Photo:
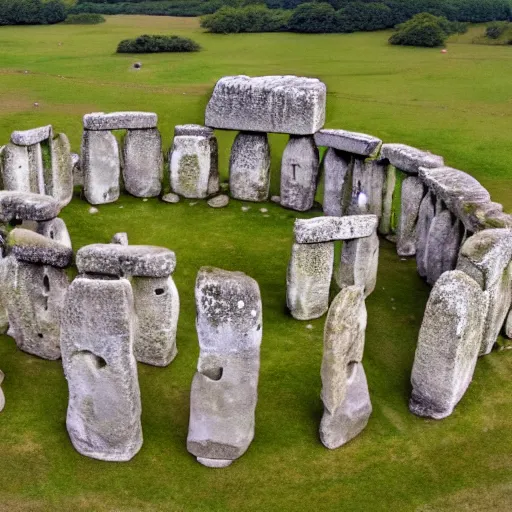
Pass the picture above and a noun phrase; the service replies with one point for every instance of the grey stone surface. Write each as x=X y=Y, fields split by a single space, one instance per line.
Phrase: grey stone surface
x=214 y=463
x=327 y=229
x=368 y=177
x=34 y=297
x=308 y=280
x=388 y=191
x=299 y=173
x=36 y=169
x=249 y=167
x=2 y=396
x=120 y=239
x=508 y=325
x=60 y=185
x=157 y=306
x=120 y=121
x=350 y=142
x=219 y=201
x=104 y=409
x=143 y=162
x=439 y=233
x=345 y=394
x=193 y=129
x=171 y=198
x=100 y=166
x=15 y=165
x=452 y=246
x=426 y=214
x=448 y=345
x=413 y=192
x=78 y=175
x=26 y=206
x=55 y=229
x=336 y=166
x=126 y=260
x=224 y=389
x=409 y=159
x=33 y=136
x=279 y=104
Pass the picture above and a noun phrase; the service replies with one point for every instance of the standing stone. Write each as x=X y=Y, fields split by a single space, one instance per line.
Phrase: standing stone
x=387 y=200
x=16 y=168
x=120 y=121
x=345 y=394
x=438 y=235
x=299 y=173
x=60 y=184
x=143 y=162
x=368 y=178
x=425 y=216
x=452 y=246
x=337 y=166
x=308 y=280
x=224 y=389
x=249 y=167
x=100 y=166
x=448 y=345
x=36 y=169
x=508 y=325
x=103 y=418
x=157 y=306
x=413 y=192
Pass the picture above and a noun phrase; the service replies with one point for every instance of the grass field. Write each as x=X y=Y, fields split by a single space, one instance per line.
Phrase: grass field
x=458 y=105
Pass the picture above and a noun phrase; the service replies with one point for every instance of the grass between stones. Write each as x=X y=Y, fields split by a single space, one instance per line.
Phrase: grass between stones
x=457 y=105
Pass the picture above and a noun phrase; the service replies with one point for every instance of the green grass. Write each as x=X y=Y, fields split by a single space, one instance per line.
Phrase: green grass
x=456 y=104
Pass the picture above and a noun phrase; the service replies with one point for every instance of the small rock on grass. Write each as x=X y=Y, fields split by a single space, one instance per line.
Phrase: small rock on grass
x=171 y=198
x=245 y=208
x=93 y=210
x=218 y=201
x=276 y=199
x=263 y=210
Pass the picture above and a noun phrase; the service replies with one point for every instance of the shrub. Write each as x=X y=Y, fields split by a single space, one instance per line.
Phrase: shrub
x=85 y=18
x=31 y=12
x=363 y=16
x=313 y=18
x=157 y=44
x=424 y=29
x=497 y=29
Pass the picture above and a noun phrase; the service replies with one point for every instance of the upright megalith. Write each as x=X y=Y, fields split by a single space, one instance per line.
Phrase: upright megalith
x=448 y=345
x=104 y=408
x=388 y=192
x=439 y=234
x=2 y=396
x=345 y=395
x=224 y=389
x=299 y=173
x=32 y=136
x=368 y=177
x=426 y=214
x=60 y=182
x=336 y=166
x=412 y=195
x=15 y=165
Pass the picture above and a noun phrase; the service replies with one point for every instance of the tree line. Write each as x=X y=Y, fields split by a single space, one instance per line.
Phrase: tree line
x=32 y=12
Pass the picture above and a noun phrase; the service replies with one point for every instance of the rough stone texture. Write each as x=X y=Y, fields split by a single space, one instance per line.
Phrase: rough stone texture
x=16 y=168
x=336 y=166
x=327 y=229
x=359 y=263
x=120 y=239
x=103 y=417
x=368 y=178
x=345 y=394
x=508 y=325
x=32 y=247
x=426 y=214
x=308 y=280
x=350 y=142
x=413 y=192
x=100 y=166
x=171 y=198
x=78 y=175
x=143 y=162
x=448 y=345
x=33 y=136
x=388 y=190
x=249 y=167
x=224 y=389
x=34 y=297
x=126 y=260
x=409 y=159
x=26 y=206
x=120 y=121
x=60 y=186
x=36 y=169
x=299 y=173
x=219 y=201
x=452 y=246
x=278 y=104
x=157 y=305
x=487 y=258
x=438 y=236
x=55 y=229
x=193 y=129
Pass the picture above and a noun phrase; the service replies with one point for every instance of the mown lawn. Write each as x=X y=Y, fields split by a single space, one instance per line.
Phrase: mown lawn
x=458 y=105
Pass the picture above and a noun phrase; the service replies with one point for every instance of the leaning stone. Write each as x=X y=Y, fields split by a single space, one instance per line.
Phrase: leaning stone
x=413 y=192
x=224 y=389
x=120 y=121
x=100 y=166
x=126 y=260
x=171 y=198
x=448 y=345
x=336 y=166
x=345 y=394
x=308 y=280
x=16 y=168
x=27 y=206
x=299 y=173
x=103 y=417
x=218 y=201
x=274 y=104
x=409 y=159
x=350 y=142
x=120 y=239
x=34 y=136
x=143 y=162
x=55 y=229
x=426 y=214
x=60 y=185
x=327 y=229
x=368 y=178
x=249 y=167
x=388 y=190
x=438 y=236
x=193 y=129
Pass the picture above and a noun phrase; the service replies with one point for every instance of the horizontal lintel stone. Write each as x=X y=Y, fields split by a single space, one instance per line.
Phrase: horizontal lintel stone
x=193 y=129
x=409 y=159
x=27 y=206
x=327 y=229
x=350 y=142
x=120 y=121
x=33 y=136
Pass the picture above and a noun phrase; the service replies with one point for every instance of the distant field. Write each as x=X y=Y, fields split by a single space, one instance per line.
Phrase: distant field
x=458 y=105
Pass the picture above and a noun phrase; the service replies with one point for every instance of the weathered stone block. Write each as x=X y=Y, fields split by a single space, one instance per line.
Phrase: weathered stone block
x=33 y=136
x=120 y=121
x=120 y=238
x=388 y=190
x=413 y=192
x=350 y=142
x=368 y=177
x=16 y=168
x=60 y=184
x=426 y=214
x=441 y=229
x=337 y=166
x=26 y=206
x=409 y=159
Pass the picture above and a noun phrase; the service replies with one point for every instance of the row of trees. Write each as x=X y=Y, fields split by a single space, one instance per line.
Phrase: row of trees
x=31 y=12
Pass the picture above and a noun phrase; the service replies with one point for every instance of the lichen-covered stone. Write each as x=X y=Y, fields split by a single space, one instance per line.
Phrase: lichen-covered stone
x=33 y=136
x=368 y=178
x=426 y=214
x=224 y=389
x=55 y=229
x=299 y=173
x=16 y=168
x=269 y=104
x=409 y=159
x=219 y=201
x=26 y=206
x=120 y=121
x=448 y=345
x=336 y=166
x=120 y=238
x=345 y=394
x=100 y=166
x=413 y=192
x=388 y=190
x=327 y=229
x=104 y=409
x=126 y=260
x=350 y=142
x=143 y=162
x=438 y=236
x=308 y=280
x=60 y=186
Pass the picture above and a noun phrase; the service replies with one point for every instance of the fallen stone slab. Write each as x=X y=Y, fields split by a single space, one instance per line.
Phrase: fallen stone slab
x=336 y=166
x=36 y=169
x=327 y=229
x=350 y=142
x=126 y=260
x=27 y=206
x=412 y=195
x=441 y=229
x=409 y=159
x=269 y=104
x=33 y=136
x=120 y=121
